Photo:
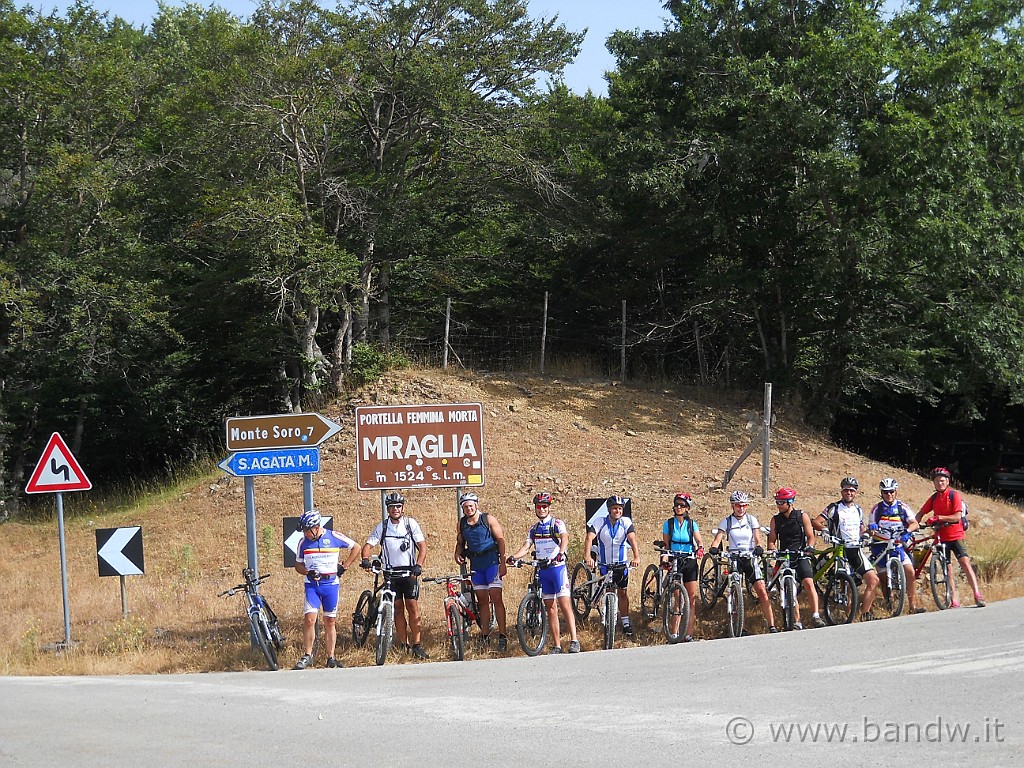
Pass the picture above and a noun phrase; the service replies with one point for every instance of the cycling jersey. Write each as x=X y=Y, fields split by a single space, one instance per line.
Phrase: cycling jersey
x=322 y=554
x=892 y=519
x=398 y=542
x=845 y=521
x=612 y=540
x=789 y=530
x=739 y=533
x=679 y=534
x=545 y=535
x=948 y=502
x=481 y=547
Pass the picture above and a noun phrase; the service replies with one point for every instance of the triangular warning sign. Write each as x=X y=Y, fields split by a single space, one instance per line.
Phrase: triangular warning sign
x=57 y=470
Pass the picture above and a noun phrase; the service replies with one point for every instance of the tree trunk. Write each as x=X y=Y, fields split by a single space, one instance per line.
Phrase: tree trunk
x=361 y=319
x=383 y=304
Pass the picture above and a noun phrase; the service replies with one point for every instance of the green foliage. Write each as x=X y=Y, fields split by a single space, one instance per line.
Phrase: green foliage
x=370 y=362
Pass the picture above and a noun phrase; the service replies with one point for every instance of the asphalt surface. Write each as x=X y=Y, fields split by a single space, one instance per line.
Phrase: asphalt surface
x=907 y=691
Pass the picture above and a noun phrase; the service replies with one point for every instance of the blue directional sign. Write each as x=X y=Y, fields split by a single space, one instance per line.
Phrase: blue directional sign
x=284 y=461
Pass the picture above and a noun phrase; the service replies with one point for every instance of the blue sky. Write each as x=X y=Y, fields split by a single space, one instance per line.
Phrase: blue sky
x=599 y=17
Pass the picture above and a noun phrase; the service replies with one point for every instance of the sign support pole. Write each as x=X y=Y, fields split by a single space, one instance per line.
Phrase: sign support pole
x=64 y=569
x=307 y=491
x=124 y=598
x=250 y=535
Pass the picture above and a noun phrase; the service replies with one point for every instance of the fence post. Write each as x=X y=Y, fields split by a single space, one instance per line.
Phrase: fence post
x=766 y=440
x=544 y=333
x=622 y=359
x=447 y=329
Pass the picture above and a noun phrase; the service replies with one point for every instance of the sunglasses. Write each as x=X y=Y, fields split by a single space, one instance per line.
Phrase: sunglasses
x=888 y=491
x=782 y=503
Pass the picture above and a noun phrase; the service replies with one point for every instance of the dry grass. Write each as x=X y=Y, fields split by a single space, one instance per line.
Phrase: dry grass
x=577 y=438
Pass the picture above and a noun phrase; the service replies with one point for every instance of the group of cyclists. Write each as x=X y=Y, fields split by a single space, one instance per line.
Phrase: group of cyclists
x=612 y=540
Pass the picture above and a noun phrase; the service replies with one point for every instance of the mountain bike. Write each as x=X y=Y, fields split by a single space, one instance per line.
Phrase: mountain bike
x=532 y=625
x=712 y=578
x=783 y=585
x=674 y=599
x=589 y=590
x=837 y=589
x=376 y=608
x=262 y=620
x=892 y=590
x=928 y=552
x=459 y=612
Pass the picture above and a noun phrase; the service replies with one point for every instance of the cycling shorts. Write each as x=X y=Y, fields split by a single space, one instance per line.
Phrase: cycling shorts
x=878 y=549
x=855 y=557
x=750 y=567
x=955 y=549
x=554 y=581
x=406 y=587
x=486 y=578
x=620 y=578
x=322 y=594
x=803 y=568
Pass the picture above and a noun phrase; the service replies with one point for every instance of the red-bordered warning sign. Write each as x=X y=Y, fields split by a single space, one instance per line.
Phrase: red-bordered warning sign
x=57 y=470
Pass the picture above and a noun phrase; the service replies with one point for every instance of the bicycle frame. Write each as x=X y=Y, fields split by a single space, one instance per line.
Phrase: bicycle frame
x=459 y=610
x=675 y=611
x=532 y=623
x=265 y=632
x=776 y=585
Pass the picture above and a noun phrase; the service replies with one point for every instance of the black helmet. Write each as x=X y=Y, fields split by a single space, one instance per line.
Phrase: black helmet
x=850 y=482
x=394 y=499
x=615 y=501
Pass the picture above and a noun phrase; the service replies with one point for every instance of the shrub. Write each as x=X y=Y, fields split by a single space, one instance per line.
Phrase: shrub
x=370 y=362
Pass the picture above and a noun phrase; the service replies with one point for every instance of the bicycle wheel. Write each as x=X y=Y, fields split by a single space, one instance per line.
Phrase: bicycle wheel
x=650 y=593
x=386 y=633
x=840 y=598
x=581 y=594
x=455 y=629
x=275 y=626
x=895 y=593
x=261 y=629
x=708 y=580
x=938 y=573
x=675 y=612
x=611 y=617
x=789 y=612
x=362 y=618
x=532 y=624
x=734 y=607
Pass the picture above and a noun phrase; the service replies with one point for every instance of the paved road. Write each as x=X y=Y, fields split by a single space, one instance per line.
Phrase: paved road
x=900 y=692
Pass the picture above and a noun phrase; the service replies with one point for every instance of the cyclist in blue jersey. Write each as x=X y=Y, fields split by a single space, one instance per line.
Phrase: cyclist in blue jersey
x=612 y=536
x=549 y=538
x=680 y=533
x=481 y=540
x=318 y=558
x=891 y=518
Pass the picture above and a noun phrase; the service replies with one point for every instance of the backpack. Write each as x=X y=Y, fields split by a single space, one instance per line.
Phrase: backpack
x=690 y=527
x=552 y=533
x=952 y=501
x=463 y=525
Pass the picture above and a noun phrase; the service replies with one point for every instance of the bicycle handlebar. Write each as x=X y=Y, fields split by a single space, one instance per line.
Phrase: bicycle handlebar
x=244 y=586
x=449 y=578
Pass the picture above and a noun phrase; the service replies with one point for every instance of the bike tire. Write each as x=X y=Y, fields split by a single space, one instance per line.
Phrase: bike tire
x=386 y=634
x=456 y=637
x=789 y=612
x=675 y=610
x=532 y=624
x=708 y=579
x=260 y=625
x=938 y=574
x=841 y=599
x=362 y=619
x=580 y=596
x=735 y=607
x=650 y=593
x=275 y=625
x=896 y=582
x=611 y=617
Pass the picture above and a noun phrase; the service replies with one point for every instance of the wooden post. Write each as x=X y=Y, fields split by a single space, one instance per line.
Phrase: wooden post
x=622 y=359
x=544 y=333
x=447 y=329
x=766 y=440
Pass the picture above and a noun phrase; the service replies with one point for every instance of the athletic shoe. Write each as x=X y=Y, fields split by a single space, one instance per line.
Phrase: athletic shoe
x=773 y=630
x=688 y=639
x=918 y=610
x=555 y=649
x=333 y=663
x=979 y=601
x=502 y=643
x=628 y=632
x=574 y=646
x=819 y=622
x=419 y=653
x=955 y=604
x=798 y=625
x=304 y=662
x=483 y=642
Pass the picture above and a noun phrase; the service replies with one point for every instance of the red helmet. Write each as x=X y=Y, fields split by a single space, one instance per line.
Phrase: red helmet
x=542 y=498
x=785 y=494
x=941 y=472
x=682 y=499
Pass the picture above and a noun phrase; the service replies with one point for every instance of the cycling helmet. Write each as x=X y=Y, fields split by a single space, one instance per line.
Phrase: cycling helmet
x=309 y=520
x=850 y=482
x=683 y=498
x=468 y=496
x=615 y=501
x=888 y=484
x=941 y=472
x=739 y=497
x=785 y=494
x=542 y=498
x=394 y=499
